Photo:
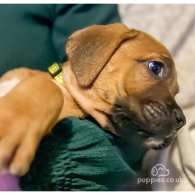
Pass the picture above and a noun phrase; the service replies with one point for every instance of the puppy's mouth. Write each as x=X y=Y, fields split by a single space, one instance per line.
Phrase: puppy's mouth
x=132 y=128
x=158 y=142
x=137 y=134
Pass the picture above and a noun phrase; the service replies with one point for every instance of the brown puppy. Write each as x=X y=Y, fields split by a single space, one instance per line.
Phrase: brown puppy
x=123 y=78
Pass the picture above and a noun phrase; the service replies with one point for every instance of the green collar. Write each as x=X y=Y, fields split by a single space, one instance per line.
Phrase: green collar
x=55 y=71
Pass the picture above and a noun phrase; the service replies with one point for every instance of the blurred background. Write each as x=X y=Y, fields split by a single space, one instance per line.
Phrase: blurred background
x=174 y=26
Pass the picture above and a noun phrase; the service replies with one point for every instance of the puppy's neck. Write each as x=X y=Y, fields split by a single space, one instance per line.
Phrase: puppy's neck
x=70 y=106
x=83 y=101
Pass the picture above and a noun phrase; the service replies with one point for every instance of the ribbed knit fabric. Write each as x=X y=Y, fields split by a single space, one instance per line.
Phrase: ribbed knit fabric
x=78 y=156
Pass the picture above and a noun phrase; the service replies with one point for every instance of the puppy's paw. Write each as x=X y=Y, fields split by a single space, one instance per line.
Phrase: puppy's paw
x=19 y=139
x=23 y=157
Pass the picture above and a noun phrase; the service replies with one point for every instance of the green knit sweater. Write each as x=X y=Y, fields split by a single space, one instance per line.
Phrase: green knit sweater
x=79 y=155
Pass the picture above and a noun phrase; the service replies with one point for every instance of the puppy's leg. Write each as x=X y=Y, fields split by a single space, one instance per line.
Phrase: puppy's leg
x=27 y=112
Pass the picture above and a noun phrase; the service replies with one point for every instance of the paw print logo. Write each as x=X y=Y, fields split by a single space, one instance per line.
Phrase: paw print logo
x=159 y=170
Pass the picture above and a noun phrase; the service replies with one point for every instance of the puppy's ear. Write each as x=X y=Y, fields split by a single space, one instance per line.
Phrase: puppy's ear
x=90 y=49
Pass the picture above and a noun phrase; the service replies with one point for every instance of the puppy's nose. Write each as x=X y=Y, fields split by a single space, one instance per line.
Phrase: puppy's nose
x=178 y=117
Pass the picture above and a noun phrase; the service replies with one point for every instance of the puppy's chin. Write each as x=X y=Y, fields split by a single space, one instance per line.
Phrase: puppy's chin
x=150 y=140
x=159 y=143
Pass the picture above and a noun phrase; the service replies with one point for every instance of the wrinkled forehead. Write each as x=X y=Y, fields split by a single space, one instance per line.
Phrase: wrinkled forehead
x=145 y=46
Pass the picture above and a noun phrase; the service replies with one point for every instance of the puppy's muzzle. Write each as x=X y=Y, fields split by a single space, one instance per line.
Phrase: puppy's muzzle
x=160 y=119
x=153 y=123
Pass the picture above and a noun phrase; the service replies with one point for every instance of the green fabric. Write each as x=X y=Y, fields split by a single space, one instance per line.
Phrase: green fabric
x=34 y=35
x=79 y=155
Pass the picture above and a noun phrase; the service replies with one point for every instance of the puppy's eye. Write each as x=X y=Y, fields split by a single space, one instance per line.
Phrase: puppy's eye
x=156 y=67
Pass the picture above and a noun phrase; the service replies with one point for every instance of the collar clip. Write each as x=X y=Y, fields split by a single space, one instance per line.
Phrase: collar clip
x=55 y=70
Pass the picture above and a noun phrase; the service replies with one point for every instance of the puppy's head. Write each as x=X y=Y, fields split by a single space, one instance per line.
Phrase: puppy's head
x=135 y=76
